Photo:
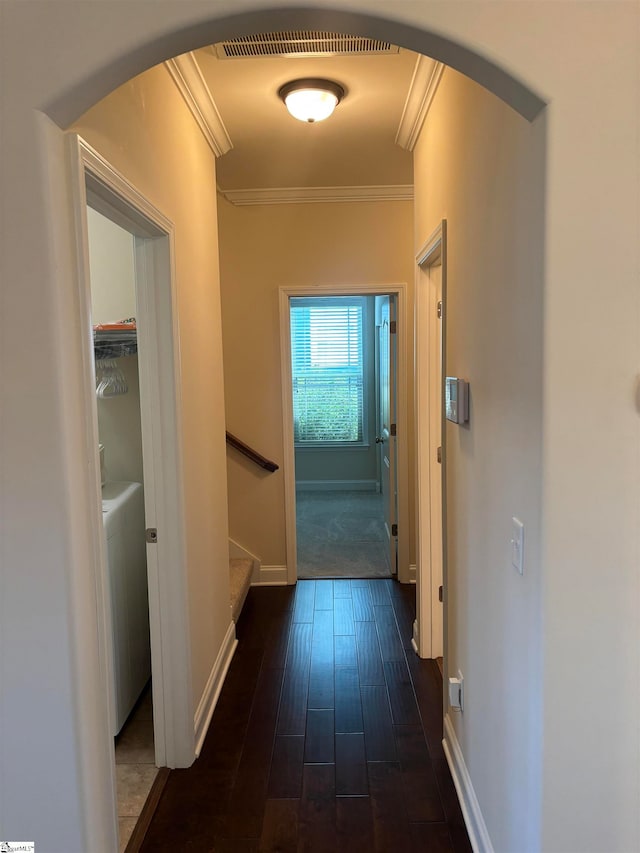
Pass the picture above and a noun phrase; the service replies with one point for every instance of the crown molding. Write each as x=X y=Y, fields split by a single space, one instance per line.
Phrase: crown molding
x=423 y=86
x=186 y=74
x=307 y=195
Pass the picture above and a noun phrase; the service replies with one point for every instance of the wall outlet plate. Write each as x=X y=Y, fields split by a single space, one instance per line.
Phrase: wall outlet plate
x=456 y=692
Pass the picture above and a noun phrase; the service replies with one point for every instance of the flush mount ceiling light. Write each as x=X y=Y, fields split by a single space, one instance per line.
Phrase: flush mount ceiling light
x=311 y=99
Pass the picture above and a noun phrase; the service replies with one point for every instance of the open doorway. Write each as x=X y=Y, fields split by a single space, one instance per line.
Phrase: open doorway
x=336 y=395
x=340 y=390
x=113 y=310
x=126 y=301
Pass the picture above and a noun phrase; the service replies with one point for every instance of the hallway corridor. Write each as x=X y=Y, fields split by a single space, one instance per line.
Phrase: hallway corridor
x=326 y=736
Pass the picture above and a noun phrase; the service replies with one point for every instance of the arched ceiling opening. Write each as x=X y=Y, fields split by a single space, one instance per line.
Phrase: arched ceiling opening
x=70 y=104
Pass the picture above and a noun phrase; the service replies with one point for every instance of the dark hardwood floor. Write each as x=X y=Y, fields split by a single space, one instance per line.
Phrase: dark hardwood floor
x=326 y=736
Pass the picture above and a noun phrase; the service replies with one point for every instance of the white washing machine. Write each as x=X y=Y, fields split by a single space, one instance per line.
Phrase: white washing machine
x=124 y=527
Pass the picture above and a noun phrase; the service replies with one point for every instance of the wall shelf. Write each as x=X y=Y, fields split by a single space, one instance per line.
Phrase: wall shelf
x=114 y=343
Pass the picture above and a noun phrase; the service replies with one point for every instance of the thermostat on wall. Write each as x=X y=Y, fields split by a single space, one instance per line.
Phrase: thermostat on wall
x=456 y=400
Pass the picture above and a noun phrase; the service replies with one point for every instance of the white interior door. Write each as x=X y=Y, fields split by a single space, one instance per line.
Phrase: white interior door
x=386 y=439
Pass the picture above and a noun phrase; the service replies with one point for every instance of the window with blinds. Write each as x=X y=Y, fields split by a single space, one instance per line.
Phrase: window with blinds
x=327 y=369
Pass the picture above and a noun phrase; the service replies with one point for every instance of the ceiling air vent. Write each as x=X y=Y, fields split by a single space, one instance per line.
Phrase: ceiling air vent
x=304 y=43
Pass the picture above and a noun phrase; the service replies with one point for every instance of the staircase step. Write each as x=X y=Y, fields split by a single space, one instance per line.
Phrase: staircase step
x=240 y=572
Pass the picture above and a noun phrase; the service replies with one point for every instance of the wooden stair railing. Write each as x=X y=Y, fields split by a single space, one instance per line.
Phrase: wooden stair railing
x=251 y=454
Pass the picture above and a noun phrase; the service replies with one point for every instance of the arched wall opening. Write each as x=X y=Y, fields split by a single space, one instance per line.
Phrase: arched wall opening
x=69 y=105
x=516 y=96
x=583 y=59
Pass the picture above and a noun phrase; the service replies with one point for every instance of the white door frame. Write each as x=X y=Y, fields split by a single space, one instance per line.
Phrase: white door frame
x=96 y=181
x=383 y=434
x=400 y=292
x=429 y=633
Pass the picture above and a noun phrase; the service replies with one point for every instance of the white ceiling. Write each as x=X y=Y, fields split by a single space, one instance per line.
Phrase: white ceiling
x=354 y=148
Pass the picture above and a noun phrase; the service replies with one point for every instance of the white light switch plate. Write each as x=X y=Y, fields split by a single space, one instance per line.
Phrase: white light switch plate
x=517 y=545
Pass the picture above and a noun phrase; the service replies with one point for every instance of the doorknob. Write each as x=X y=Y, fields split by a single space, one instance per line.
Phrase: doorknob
x=379 y=440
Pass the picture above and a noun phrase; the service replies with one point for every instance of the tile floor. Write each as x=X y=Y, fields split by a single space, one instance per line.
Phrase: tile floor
x=135 y=767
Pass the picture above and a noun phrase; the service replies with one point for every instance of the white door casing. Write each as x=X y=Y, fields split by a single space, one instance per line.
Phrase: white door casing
x=97 y=183
x=399 y=293
x=430 y=629
x=385 y=438
x=435 y=450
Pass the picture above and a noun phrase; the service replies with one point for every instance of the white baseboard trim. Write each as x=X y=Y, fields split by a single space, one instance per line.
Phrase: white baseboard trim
x=207 y=703
x=336 y=485
x=415 y=637
x=271 y=576
x=476 y=827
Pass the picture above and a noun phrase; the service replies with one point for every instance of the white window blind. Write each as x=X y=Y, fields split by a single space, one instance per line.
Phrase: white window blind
x=327 y=369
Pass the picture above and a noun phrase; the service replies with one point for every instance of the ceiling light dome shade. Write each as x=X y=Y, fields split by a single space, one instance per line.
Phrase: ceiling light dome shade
x=311 y=99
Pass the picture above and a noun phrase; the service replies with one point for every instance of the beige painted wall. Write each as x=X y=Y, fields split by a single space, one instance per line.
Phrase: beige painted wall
x=113 y=285
x=261 y=249
x=480 y=166
x=145 y=130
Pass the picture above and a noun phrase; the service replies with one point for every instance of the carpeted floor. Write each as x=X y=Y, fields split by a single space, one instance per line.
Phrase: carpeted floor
x=341 y=534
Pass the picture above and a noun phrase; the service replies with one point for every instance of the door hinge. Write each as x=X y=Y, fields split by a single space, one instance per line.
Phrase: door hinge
x=439 y=454
x=392 y=429
x=151 y=535
x=440 y=309
x=440 y=593
x=394 y=529
x=393 y=327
